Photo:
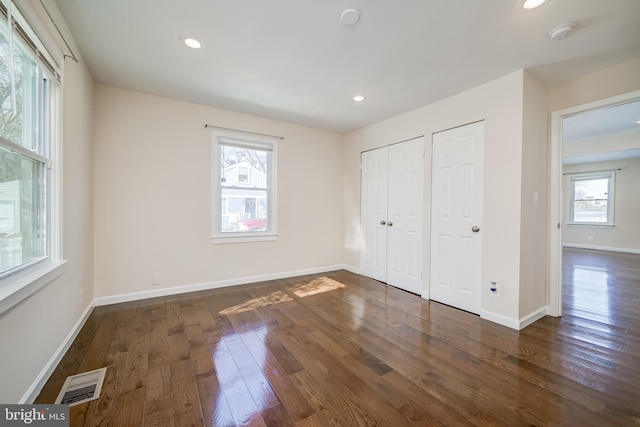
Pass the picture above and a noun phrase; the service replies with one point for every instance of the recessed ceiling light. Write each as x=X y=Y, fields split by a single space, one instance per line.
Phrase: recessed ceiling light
x=359 y=98
x=638 y=122
x=192 y=42
x=532 y=4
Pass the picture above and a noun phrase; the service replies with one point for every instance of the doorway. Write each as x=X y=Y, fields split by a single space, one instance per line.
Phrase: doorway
x=561 y=197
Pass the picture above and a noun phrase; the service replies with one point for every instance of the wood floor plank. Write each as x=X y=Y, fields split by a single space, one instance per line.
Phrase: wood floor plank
x=354 y=391
x=186 y=407
x=129 y=409
x=215 y=408
x=296 y=405
x=243 y=406
x=138 y=352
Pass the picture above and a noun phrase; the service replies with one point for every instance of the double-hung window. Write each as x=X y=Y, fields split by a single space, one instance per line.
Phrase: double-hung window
x=591 y=198
x=244 y=187
x=28 y=88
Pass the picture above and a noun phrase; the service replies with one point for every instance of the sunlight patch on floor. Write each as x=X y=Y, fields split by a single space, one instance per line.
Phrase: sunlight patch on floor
x=252 y=304
x=302 y=290
x=316 y=286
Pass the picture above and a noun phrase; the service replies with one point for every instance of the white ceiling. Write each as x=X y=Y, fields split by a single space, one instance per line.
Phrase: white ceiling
x=293 y=60
x=605 y=125
x=602 y=121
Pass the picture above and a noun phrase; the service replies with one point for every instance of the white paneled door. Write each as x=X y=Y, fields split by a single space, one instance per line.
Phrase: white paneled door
x=375 y=184
x=392 y=195
x=456 y=217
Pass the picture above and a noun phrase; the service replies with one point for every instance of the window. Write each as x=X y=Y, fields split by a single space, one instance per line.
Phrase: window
x=28 y=93
x=592 y=199
x=244 y=187
x=243 y=175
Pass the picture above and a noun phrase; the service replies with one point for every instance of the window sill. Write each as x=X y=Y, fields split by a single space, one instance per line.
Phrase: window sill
x=575 y=224
x=244 y=239
x=22 y=284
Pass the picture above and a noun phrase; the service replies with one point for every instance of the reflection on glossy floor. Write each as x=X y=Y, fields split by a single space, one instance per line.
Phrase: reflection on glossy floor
x=338 y=349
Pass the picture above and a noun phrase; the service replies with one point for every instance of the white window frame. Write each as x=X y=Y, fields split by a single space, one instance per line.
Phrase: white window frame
x=611 y=177
x=22 y=281
x=219 y=137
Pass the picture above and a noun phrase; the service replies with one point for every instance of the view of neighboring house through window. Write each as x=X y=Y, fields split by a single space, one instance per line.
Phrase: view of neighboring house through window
x=592 y=199
x=244 y=188
x=24 y=153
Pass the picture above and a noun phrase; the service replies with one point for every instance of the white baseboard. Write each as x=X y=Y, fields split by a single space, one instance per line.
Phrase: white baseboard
x=354 y=270
x=512 y=323
x=134 y=296
x=500 y=319
x=602 y=248
x=36 y=387
x=533 y=316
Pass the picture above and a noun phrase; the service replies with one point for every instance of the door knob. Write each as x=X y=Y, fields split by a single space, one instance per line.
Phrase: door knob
x=475 y=228
x=390 y=224
x=382 y=222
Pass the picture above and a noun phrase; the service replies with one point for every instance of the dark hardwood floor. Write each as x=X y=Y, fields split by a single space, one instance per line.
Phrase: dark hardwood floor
x=338 y=349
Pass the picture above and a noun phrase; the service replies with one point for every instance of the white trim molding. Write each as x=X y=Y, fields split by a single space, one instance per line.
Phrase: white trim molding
x=513 y=323
x=602 y=248
x=351 y=269
x=533 y=317
x=28 y=281
x=500 y=319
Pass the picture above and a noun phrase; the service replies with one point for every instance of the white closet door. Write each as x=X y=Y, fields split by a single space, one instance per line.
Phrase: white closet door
x=392 y=211
x=373 y=251
x=456 y=217
x=404 y=218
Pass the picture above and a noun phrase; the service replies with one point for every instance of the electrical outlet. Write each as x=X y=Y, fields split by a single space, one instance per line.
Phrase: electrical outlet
x=493 y=288
x=155 y=279
x=590 y=238
x=81 y=295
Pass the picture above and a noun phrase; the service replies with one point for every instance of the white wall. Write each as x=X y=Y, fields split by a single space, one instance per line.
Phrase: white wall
x=500 y=104
x=617 y=80
x=625 y=236
x=533 y=255
x=152 y=193
x=35 y=329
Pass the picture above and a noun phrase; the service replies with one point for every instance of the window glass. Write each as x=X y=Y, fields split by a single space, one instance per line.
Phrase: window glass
x=21 y=213
x=244 y=193
x=24 y=154
x=17 y=93
x=591 y=201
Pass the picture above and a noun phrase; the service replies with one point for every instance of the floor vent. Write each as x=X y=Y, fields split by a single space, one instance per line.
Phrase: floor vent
x=81 y=388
